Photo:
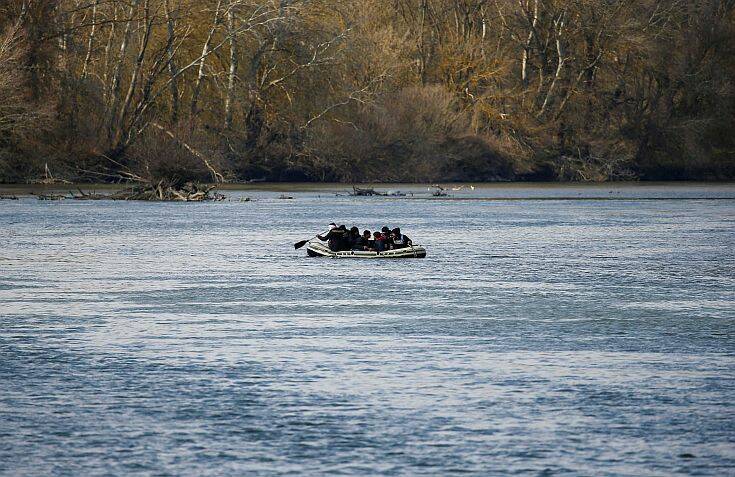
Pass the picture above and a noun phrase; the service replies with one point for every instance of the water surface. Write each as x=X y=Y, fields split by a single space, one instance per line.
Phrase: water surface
x=552 y=334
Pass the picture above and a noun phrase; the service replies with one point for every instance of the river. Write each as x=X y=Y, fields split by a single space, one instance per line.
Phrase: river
x=551 y=330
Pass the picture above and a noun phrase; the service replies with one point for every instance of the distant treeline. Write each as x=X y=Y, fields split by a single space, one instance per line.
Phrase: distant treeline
x=367 y=90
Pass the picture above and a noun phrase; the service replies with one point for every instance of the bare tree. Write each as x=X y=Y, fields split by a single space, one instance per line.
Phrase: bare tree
x=172 y=68
x=232 y=74
x=203 y=59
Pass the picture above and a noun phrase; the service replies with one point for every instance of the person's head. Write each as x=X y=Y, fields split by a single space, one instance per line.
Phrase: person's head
x=397 y=232
x=342 y=227
x=355 y=231
x=332 y=226
x=366 y=234
x=376 y=234
x=385 y=230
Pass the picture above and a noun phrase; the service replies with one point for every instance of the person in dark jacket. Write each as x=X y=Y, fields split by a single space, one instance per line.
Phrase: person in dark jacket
x=362 y=242
x=346 y=239
x=400 y=240
x=367 y=240
x=336 y=238
x=385 y=236
x=354 y=239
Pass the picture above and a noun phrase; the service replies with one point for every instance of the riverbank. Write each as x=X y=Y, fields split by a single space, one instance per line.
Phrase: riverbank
x=455 y=191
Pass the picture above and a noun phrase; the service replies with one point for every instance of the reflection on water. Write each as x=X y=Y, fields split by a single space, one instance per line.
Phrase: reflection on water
x=539 y=337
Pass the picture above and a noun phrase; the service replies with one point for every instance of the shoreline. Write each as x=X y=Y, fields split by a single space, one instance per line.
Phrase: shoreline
x=336 y=187
x=417 y=193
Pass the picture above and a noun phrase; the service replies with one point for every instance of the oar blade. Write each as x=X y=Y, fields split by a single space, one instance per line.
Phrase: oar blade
x=298 y=245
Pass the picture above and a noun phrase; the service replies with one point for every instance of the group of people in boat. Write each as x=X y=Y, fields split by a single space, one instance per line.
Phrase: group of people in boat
x=340 y=239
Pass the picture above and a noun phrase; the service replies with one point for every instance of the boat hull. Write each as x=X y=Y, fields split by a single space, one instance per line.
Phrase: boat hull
x=317 y=249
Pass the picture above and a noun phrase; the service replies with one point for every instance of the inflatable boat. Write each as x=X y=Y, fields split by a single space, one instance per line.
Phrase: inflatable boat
x=318 y=249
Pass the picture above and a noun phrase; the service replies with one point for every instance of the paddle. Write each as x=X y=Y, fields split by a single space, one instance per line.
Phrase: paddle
x=298 y=245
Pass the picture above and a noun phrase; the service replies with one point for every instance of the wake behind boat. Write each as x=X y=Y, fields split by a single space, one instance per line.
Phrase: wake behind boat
x=318 y=249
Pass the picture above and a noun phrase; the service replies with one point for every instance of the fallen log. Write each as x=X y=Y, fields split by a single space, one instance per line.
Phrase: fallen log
x=86 y=195
x=40 y=196
x=161 y=191
x=188 y=192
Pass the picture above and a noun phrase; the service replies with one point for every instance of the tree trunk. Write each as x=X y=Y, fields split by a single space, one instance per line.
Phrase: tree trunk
x=136 y=69
x=203 y=60
x=172 y=68
x=90 y=42
x=233 y=68
x=108 y=49
x=117 y=76
x=527 y=47
x=558 y=31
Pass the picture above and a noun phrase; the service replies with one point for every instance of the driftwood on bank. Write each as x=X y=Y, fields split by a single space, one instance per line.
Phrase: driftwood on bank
x=439 y=191
x=163 y=191
x=48 y=178
x=360 y=192
x=160 y=191
x=42 y=196
x=370 y=192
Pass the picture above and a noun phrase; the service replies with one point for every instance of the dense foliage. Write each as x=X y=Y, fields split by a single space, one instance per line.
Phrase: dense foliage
x=367 y=90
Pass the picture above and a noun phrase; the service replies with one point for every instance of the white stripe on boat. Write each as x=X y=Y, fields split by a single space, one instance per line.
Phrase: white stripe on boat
x=317 y=249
